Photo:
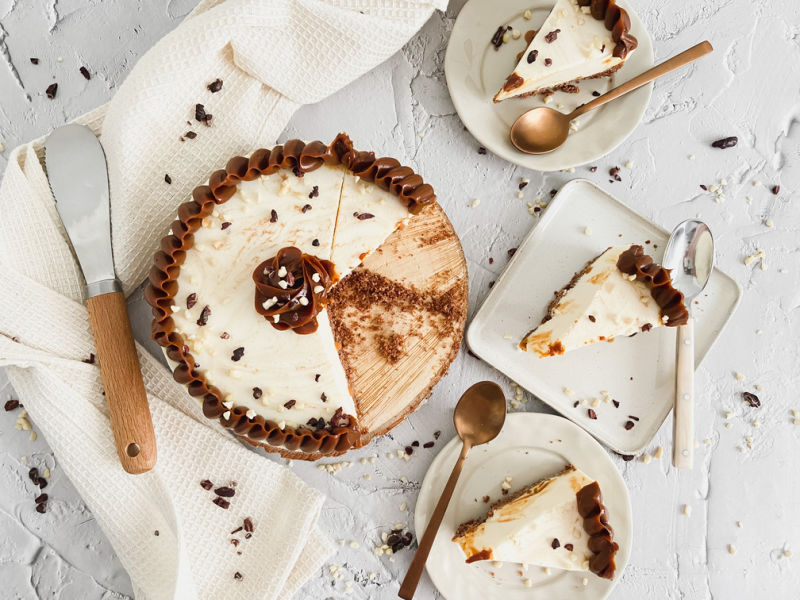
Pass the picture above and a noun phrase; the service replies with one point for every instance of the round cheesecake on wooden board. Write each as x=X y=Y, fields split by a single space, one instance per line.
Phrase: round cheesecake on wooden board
x=310 y=296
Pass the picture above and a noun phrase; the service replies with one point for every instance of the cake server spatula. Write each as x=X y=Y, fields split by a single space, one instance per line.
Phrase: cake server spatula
x=76 y=168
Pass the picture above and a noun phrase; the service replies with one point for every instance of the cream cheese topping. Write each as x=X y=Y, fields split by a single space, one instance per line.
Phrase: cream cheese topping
x=603 y=304
x=526 y=529
x=274 y=367
x=583 y=48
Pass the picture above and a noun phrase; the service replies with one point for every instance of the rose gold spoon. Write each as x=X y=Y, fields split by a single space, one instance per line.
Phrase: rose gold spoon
x=479 y=417
x=543 y=129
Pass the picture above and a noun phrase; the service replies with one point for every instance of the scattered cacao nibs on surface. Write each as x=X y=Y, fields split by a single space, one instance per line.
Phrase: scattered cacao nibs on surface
x=728 y=142
x=257 y=393
x=42 y=483
x=593 y=169
x=225 y=225
x=51 y=90
x=204 y=314
x=273 y=216
x=190 y=134
x=156 y=533
x=592 y=318
x=238 y=576
x=776 y=189
x=409 y=450
x=11 y=405
x=323 y=396
x=592 y=414
x=569 y=547
x=247 y=536
x=481 y=150
x=248 y=524
x=90 y=360
x=548 y=62
x=234 y=541
x=428 y=445
x=552 y=36
x=575 y=404
x=34 y=61
x=615 y=403
x=703 y=187
x=201 y=115
x=629 y=425
x=633 y=417
x=486 y=499
x=191 y=300
x=40 y=498
x=751 y=399
x=224 y=335
x=646 y=327
x=215 y=86
x=41 y=508
x=491 y=260
x=363 y=216
x=553 y=192
x=306 y=208
x=85 y=72
x=238 y=353
x=316 y=377
x=167 y=179
x=315 y=242
x=225 y=491
x=33 y=475
x=555 y=543
x=314 y=192
x=436 y=434
x=497 y=38
x=627 y=457
x=206 y=484
x=290 y=404
x=596 y=94
x=614 y=172
x=522 y=184
x=532 y=56
x=511 y=252
x=415 y=443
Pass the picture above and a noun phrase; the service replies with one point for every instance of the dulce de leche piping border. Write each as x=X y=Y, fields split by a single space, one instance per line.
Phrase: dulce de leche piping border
x=299 y=157
x=617 y=21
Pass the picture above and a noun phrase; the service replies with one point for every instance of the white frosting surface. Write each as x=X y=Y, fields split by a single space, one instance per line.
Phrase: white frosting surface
x=523 y=530
x=619 y=306
x=355 y=238
x=584 y=47
x=218 y=269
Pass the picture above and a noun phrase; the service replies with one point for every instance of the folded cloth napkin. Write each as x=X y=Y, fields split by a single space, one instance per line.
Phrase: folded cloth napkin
x=271 y=57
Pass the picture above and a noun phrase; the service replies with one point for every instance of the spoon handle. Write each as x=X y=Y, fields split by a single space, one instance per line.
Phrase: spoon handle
x=683 y=416
x=411 y=580
x=673 y=63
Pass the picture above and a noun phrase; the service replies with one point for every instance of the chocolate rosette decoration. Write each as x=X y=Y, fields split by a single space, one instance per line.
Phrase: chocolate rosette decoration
x=292 y=288
x=636 y=263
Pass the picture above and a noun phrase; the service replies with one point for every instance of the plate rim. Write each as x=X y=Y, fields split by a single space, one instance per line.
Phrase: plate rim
x=451 y=448
x=530 y=161
x=548 y=216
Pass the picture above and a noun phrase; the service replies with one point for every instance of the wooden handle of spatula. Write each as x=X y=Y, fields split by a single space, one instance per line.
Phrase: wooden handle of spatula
x=122 y=379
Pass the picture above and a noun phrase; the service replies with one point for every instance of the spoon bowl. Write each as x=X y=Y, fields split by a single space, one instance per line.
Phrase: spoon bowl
x=480 y=413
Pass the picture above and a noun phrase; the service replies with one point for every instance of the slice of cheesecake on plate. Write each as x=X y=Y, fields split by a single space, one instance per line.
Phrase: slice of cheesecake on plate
x=558 y=522
x=619 y=293
x=580 y=39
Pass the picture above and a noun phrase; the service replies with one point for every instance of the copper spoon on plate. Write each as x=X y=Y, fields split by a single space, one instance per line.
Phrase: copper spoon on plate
x=543 y=129
x=479 y=417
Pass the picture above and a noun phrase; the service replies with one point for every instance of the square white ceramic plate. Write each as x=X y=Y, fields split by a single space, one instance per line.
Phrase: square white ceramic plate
x=638 y=372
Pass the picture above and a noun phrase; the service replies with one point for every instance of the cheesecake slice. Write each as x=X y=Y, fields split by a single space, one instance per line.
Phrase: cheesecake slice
x=558 y=522
x=619 y=293
x=580 y=39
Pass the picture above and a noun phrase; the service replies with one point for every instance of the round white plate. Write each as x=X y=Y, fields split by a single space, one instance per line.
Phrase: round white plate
x=530 y=447
x=475 y=71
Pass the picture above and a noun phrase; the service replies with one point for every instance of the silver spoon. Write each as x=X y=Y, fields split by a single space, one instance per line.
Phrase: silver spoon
x=690 y=257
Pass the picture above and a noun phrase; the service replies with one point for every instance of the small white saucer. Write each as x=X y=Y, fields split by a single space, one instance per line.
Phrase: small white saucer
x=475 y=71
x=530 y=447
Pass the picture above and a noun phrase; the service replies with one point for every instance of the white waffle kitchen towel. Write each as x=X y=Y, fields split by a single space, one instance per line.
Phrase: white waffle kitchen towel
x=271 y=57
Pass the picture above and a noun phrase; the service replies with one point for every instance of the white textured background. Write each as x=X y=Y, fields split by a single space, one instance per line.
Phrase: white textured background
x=750 y=87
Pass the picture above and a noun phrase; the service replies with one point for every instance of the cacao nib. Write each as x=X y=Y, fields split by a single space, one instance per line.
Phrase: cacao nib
x=11 y=405
x=191 y=300
x=751 y=399
x=238 y=353
x=290 y=404
x=555 y=543
x=85 y=72
x=51 y=90
x=257 y=393
x=215 y=86
x=552 y=36
x=592 y=414
x=206 y=484
x=225 y=491
x=728 y=142
x=204 y=314
x=532 y=56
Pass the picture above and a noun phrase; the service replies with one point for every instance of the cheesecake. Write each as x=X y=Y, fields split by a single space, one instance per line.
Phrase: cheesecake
x=241 y=284
x=559 y=522
x=580 y=39
x=619 y=293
